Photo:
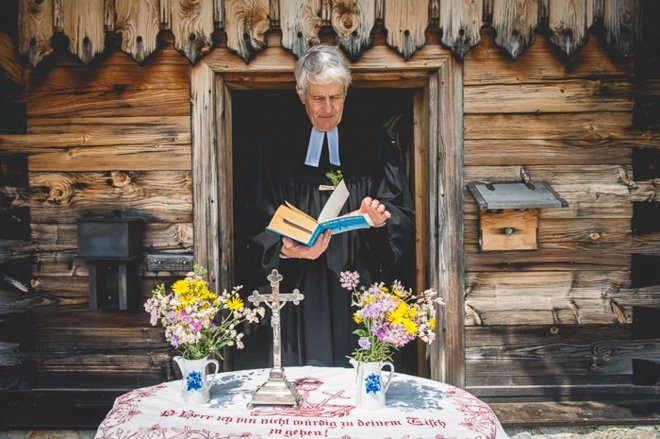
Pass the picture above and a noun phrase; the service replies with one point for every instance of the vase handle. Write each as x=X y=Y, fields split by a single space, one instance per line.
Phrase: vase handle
x=389 y=380
x=216 y=364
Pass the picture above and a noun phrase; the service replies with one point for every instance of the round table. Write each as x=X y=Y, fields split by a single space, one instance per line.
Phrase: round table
x=416 y=408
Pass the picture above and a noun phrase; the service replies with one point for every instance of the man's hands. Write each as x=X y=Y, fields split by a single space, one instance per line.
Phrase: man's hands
x=292 y=249
x=376 y=211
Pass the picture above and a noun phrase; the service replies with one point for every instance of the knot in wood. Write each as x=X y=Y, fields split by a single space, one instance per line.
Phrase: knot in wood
x=120 y=178
x=595 y=236
x=554 y=330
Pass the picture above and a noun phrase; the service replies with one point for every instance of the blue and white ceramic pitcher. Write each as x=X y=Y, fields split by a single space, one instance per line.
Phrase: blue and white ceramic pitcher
x=371 y=389
x=194 y=385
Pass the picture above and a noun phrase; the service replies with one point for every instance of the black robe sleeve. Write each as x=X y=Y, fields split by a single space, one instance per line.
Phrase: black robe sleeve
x=388 y=243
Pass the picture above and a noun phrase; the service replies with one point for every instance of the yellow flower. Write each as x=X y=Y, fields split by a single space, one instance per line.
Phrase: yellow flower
x=432 y=322
x=410 y=326
x=384 y=289
x=234 y=304
x=398 y=314
x=357 y=318
x=181 y=287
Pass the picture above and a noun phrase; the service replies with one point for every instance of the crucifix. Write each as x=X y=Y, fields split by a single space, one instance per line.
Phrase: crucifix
x=277 y=390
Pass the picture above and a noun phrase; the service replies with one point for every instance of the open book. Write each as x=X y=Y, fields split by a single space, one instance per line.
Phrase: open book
x=296 y=224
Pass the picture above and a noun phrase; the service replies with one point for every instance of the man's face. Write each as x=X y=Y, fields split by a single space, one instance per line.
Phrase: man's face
x=324 y=104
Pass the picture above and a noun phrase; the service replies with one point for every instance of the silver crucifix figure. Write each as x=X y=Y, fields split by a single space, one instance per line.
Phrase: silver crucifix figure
x=277 y=390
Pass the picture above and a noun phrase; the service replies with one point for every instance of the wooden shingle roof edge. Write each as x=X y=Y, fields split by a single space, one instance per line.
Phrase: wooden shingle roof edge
x=303 y=23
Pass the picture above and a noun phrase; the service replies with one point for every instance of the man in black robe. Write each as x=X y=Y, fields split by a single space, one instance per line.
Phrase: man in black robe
x=291 y=165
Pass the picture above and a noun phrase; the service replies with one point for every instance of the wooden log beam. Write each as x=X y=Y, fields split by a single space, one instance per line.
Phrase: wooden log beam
x=246 y=23
x=191 y=22
x=300 y=23
x=353 y=22
x=35 y=29
x=578 y=297
x=83 y=24
x=460 y=23
x=515 y=21
x=10 y=64
x=406 y=21
x=139 y=24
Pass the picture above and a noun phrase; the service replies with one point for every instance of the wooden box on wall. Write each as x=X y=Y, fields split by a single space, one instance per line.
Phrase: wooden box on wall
x=508 y=213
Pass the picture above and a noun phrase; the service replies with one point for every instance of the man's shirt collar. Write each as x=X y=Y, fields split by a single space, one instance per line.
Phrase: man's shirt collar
x=315 y=147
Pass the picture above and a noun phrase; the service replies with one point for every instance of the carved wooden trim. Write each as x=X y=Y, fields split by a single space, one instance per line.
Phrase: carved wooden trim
x=138 y=22
x=353 y=22
x=567 y=20
x=460 y=23
x=35 y=30
x=300 y=24
x=83 y=24
x=191 y=22
x=406 y=21
x=622 y=21
x=246 y=23
x=515 y=21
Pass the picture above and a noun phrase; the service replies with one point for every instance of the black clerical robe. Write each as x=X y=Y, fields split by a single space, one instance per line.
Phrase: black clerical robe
x=319 y=330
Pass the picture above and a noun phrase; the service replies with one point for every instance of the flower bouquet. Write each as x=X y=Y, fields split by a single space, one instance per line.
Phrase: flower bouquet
x=388 y=318
x=199 y=323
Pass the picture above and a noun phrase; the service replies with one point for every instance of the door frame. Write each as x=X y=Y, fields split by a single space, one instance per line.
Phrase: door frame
x=432 y=69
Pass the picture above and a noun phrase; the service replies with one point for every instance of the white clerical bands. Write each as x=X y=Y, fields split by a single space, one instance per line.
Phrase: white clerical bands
x=315 y=147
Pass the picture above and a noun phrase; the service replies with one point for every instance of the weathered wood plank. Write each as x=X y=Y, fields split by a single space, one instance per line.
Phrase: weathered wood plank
x=92 y=152
x=406 y=21
x=577 y=413
x=450 y=215
x=62 y=237
x=246 y=23
x=547 y=259
x=83 y=24
x=567 y=20
x=568 y=96
x=578 y=126
x=113 y=104
x=157 y=196
x=111 y=127
x=515 y=21
x=353 y=22
x=622 y=21
x=300 y=22
x=191 y=22
x=484 y=64
x=567 y=350
x=549 y=152
x=206 y=100
x=580 y=234
x=89 y=341
x=553 y=298
x=35 y=29
x=460 y=23
x=139 y=24
x=606 y=175
x=10 y=64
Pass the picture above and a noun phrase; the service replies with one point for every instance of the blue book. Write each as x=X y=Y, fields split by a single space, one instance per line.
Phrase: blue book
x=294 y=223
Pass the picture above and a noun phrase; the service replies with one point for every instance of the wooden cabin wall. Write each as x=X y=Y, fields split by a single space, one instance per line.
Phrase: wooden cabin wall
x=111 y=138
x=562 y=314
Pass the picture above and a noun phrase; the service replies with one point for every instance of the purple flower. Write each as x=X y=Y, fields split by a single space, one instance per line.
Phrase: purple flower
x=349 y=279
x=171 y=317
x=364 y=343
x=373 y=310
x=397 y=335
x=380 y=331
x=174 y=341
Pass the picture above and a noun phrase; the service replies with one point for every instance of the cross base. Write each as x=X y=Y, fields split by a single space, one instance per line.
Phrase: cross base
x=276 y=391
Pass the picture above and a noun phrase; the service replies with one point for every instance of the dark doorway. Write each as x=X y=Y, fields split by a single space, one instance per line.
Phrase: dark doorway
x=255 y=112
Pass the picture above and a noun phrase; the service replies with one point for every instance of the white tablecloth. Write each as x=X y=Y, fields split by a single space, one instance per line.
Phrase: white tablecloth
x=416 y=408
